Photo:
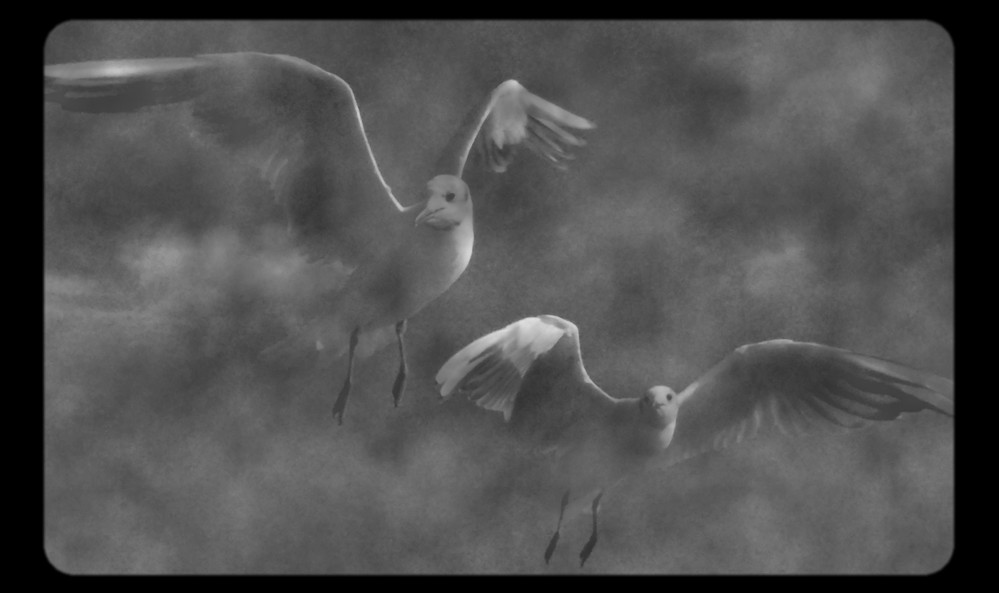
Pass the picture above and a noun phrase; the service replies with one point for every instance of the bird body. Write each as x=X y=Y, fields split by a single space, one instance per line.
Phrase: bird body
x=301 y=127
x=532 y=371
x=418 y=269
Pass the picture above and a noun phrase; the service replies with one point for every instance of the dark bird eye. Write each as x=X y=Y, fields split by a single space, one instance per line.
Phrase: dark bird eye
x=669 y=397
x=449 y=196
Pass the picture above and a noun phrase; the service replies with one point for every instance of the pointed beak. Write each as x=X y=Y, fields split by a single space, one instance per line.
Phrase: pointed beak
x=426 y=215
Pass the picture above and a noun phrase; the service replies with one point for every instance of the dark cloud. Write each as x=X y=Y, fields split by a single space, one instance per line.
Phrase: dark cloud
x=747 y=181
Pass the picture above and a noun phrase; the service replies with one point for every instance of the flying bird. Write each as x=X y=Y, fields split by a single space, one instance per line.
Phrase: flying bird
x=301 y=127
x=532 y=371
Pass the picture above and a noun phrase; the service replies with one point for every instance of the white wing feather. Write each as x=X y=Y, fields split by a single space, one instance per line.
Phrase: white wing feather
x=517 y=345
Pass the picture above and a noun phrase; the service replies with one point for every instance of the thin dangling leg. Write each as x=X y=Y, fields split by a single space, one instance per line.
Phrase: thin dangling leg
x=341 y=400
x=400 y=379
x=593 y=537
x=554 y=541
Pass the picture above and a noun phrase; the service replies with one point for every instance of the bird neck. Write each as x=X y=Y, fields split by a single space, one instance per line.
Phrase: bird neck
x=641 y=433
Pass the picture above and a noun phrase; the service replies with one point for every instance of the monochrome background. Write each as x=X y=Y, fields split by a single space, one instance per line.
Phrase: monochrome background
x=746 y=181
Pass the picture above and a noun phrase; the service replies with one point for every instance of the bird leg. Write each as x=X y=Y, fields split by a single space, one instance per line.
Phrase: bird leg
x=554 y=541
x=593 y=537
x=400 y=378
x=341 y=400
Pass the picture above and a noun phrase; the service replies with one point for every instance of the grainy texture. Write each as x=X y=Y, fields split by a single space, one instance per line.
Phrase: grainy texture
x=747 y=181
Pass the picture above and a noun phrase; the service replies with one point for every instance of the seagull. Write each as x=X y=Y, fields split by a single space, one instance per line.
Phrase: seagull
x=532 y=371
x=301 y=127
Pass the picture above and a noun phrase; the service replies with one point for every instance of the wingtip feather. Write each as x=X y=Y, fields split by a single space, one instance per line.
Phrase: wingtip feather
x=456 y=367
x=933 y=390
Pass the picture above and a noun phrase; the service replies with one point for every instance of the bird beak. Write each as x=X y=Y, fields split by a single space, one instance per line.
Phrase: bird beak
x=427 y=214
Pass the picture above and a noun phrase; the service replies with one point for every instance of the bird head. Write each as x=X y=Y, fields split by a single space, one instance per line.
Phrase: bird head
x=449 y=203
x=659 y=406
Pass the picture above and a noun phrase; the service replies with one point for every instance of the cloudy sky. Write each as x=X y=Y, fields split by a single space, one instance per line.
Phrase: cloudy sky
x=746 y=181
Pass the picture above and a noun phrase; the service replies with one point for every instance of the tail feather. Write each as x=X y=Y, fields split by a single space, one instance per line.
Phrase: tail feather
x=328 y=338
x=298 y=348
x=318 y=336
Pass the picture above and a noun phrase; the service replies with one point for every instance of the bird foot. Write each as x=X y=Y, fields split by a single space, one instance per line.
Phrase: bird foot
x=551 y=547
x=341 y=403
x=398 y=388
x=587 y=549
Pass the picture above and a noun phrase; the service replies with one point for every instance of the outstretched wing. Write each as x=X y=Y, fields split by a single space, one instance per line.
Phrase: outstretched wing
x=532 y=371
x=297 y=123
x=793 y=388
x=509 y=116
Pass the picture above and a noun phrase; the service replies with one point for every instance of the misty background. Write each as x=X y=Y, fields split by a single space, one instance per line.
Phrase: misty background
x=746 y=181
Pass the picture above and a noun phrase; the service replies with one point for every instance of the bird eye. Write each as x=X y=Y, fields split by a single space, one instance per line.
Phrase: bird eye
x=669 y=397
x=449 y=196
